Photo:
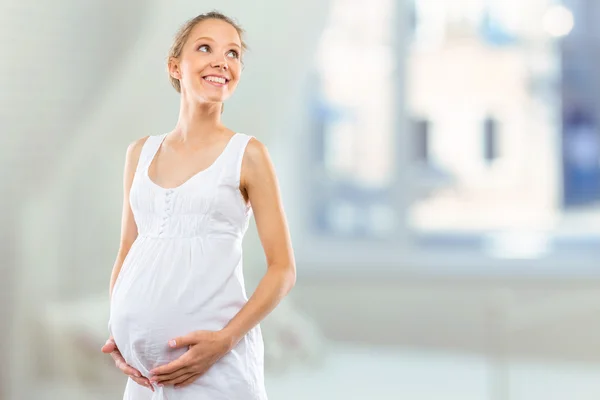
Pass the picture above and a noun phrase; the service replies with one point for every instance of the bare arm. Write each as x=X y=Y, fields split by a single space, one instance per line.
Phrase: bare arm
x=260 y=183
x=129 y=230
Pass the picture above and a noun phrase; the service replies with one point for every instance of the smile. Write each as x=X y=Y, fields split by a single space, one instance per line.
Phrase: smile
x=216 y=80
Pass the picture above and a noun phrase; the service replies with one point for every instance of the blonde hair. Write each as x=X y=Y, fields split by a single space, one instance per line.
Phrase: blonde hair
x=184 y=32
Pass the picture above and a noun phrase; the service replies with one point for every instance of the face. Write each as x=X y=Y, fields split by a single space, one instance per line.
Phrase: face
x=210 y=63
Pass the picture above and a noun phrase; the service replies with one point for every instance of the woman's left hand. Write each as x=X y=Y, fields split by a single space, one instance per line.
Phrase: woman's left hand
x=205 y=349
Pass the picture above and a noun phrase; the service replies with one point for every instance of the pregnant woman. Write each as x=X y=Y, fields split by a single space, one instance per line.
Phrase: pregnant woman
x=181 y=325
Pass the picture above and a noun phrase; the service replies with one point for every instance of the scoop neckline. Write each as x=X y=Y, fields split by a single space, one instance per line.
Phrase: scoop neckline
x=201 y=172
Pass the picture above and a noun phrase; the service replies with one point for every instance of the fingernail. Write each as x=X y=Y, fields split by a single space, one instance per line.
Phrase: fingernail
x=172 y=343
x=138 y=374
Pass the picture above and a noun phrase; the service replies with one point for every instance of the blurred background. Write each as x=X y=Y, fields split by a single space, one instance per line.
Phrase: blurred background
x=439 y=163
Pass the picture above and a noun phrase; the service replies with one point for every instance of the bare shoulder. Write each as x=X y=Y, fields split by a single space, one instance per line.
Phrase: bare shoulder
x=134 y=149
x=256 y=153
x=256 y=163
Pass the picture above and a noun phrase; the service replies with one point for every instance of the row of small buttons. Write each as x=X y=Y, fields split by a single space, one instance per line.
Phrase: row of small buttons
x=167 y=214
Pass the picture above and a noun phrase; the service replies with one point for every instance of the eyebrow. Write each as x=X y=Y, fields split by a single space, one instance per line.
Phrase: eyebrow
x=212 y=40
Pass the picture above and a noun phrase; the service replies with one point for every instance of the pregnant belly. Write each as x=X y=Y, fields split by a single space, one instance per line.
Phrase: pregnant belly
x=142 y=337
x=143 y=325
x=158 y=298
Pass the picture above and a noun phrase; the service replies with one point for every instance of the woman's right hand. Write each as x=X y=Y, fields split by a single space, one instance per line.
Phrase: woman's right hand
x=111 y=348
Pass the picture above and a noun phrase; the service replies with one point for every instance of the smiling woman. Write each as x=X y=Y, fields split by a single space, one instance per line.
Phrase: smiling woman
x=181 y=39
x=182 y=326
x=203 y=44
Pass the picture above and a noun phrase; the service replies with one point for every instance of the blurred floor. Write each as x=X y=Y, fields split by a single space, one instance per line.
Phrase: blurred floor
x=434 y=339
x=554 y=320
x=354 y=372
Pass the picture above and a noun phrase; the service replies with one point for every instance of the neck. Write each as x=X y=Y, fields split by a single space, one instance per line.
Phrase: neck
x=198 y=120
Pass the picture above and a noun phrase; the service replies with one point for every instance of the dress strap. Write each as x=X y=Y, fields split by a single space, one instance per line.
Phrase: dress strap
x=236 y=155
x=149 y=150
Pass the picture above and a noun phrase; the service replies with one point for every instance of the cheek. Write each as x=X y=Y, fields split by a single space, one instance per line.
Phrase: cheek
x=236 y=74
x=184 y=71
x=233 y=84
x=189 y=68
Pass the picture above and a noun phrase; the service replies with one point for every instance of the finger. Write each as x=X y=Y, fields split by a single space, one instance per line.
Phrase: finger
x=109 y=346
x=120 y=362
x=123 y=366
x=171 y=367
x=183 y=341
x=168 y=377
x=143 y=382
x=179 y=379
x=188 y=381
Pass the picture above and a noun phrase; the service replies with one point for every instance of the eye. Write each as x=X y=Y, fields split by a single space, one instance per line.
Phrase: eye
x=233 y=54
x=204 y=48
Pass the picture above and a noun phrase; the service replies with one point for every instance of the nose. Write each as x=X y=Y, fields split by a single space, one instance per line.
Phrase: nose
x=220 y=64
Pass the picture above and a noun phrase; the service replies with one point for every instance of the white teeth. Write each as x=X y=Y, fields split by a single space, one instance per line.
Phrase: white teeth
x=215 y=79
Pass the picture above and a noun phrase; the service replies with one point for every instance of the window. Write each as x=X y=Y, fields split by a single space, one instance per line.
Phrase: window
x=490 y=139
x=355 y=123
x=489 y=83
x=493 y=175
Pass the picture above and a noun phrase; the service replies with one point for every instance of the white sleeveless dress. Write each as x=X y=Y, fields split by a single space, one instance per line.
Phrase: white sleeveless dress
x=184 y=273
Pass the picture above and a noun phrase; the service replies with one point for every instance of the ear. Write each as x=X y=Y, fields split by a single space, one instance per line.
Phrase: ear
x=174 y=70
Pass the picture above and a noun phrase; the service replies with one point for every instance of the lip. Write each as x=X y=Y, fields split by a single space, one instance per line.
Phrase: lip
x=215 y=83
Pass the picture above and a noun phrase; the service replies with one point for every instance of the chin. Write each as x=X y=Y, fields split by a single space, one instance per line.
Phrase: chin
x=214 y=99
x=204 y=97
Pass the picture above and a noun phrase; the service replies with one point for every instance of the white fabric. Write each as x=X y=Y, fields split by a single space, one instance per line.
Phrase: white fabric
x=184 y=273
